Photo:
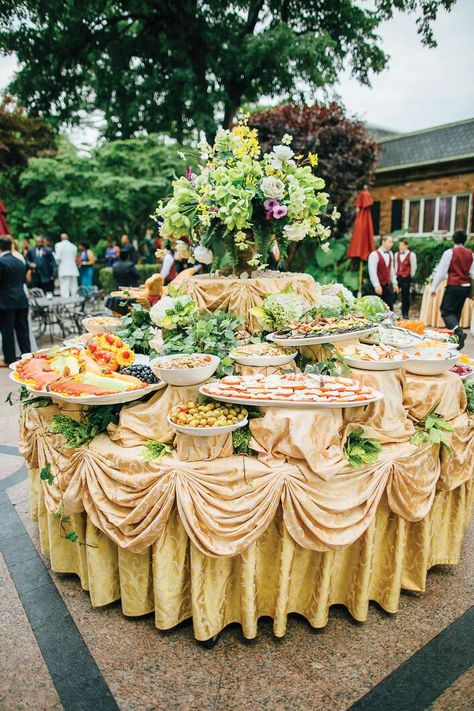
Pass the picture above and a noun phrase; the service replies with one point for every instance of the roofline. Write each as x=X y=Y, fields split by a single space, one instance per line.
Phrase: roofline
x=426 y=130
x=425 y=162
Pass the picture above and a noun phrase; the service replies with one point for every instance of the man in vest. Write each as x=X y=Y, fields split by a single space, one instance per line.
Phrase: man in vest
x=382 y=271
x=457 y=264
x=405 y=269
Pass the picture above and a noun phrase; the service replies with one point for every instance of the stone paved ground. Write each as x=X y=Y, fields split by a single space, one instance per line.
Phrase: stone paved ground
x=149 y=670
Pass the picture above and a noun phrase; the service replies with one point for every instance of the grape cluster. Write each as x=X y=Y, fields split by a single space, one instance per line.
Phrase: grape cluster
x=142 y=372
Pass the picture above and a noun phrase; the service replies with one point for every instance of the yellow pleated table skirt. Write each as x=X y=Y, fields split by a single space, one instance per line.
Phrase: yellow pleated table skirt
x=273 y=577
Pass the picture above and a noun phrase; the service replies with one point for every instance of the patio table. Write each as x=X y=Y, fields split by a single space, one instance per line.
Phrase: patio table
x=52 y=311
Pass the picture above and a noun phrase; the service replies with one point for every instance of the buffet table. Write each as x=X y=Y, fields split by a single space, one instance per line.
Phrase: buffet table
x=221 y=538
x=430 y=308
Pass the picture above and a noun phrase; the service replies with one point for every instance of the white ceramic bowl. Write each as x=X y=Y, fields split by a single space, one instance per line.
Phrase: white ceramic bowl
x=92 y=324
x=207 y=431
x=429 y=364
x=374 y=364
x=184 y=376
x=263 y=361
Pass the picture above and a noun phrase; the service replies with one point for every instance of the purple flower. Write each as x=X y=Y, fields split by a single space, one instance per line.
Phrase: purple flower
x=190 y=175
x=270 y=204
x=279 y=211
x=269 y=215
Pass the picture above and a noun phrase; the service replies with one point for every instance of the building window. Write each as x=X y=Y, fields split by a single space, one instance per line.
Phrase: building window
x=444 y=214
x=429 y=215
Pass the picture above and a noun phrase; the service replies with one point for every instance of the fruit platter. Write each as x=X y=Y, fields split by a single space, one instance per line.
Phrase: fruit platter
x=207 y=419
x=366 y=357
x=323 y=330
x=291 y=390
x=389 y=336
x=185 y=369
x=262 y=354
x=430 y=361
x=86 y=377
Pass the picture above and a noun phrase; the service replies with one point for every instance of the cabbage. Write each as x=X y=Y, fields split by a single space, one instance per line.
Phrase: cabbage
x=278 y=310
x=372 y=307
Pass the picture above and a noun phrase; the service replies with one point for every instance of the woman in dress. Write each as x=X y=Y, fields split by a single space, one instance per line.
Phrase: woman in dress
x=112 y=252
x=86 y=265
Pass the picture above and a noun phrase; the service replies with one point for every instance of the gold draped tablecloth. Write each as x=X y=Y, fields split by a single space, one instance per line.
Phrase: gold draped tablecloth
x=206 y=534
x=430 y=308
x=240 y=295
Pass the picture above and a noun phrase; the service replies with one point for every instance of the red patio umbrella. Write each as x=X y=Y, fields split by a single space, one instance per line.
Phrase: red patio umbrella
x=3 y=222
x=362 y=242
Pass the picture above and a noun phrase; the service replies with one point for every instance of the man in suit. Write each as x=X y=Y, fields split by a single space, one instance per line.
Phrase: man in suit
x=13 y=302
x=125 y=272
x=41 y=261
x=66 y=255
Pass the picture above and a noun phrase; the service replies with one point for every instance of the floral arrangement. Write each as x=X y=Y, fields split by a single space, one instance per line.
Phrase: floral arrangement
x=241 y=203
x=333 y=300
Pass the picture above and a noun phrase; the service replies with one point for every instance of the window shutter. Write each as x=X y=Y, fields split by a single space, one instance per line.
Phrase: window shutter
x=396 y=221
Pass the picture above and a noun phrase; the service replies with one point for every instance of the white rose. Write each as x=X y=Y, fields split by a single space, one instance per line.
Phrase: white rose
x=280 y=155
x=203 y=255
x=272 y=187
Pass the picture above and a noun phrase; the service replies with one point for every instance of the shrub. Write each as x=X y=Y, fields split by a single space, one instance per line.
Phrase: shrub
x=106 y=280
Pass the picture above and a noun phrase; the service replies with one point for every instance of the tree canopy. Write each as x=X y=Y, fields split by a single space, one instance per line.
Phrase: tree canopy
x=179 y=67
x=110 y=191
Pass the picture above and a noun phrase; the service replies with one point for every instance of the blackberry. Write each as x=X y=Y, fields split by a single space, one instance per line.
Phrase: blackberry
x=142 y=372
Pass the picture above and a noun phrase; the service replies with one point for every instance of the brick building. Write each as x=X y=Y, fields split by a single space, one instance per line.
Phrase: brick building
x=424 y=181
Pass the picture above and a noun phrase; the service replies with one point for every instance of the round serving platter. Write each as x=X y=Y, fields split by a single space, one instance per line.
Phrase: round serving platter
x=292 y=404
x=315 y=340
x=112 y=399
x=375 y=364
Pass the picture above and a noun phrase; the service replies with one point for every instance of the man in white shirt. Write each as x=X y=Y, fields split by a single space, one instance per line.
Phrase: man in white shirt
x=66 y=255
x=382 y=271
x=457 y=265
x=405 y=270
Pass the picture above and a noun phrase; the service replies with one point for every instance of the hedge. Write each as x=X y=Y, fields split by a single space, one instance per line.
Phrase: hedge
x=106 y=281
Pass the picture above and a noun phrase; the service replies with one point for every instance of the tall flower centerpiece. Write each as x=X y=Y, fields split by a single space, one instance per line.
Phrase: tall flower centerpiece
x=241 y=204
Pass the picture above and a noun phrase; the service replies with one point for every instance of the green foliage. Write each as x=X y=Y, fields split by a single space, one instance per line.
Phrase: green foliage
x=213 y=333
x=336 y=365
x=434 y=429
x=156 y=450
x=136 y=329
x=360 y=450
x=105 y=276
x=173 y=66
x=46 y=475
x=241 y=439
x=469 y=389
x=112 y=190
x=95 y=421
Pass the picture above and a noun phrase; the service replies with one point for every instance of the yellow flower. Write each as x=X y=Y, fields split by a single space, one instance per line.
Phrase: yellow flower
x=299 y=157
x=313 y=159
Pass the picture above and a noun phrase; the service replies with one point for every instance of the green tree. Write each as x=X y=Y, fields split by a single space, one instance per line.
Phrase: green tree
x=162 y=65
x=21 y=138
x=113 y=189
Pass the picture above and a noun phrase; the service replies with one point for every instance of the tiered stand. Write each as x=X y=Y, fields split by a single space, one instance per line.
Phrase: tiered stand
x=220 y=538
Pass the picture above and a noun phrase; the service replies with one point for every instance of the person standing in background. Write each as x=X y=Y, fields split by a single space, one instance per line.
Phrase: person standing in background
x=125 y=243
x=405 y=270
x=382 y=271
x=168 y=266
x=66 y=256
x=13 y=302
x=125 y=272
x=457 y=264
x=86 y=261
x=112 y=252
x=40 y=259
